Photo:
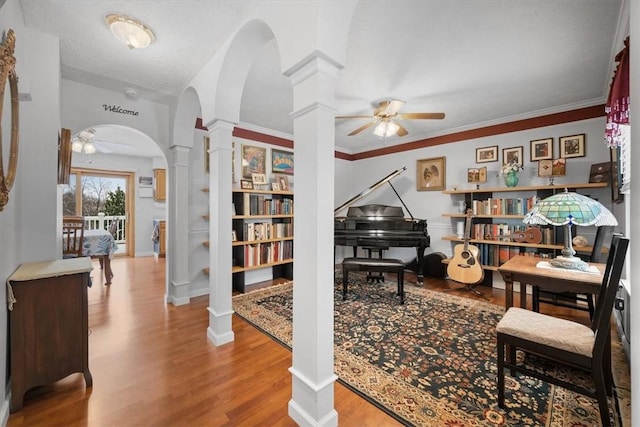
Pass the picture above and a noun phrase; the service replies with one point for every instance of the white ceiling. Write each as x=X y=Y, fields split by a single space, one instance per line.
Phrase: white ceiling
x=480 y=62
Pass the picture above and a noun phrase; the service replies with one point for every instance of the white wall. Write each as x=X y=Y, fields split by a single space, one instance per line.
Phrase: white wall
x=83 y=106
x=28 y=223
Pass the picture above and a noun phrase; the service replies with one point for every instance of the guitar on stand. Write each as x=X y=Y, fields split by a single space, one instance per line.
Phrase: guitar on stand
x=465 y=267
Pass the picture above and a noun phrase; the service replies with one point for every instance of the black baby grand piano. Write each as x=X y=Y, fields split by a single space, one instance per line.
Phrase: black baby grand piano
x=381 y=226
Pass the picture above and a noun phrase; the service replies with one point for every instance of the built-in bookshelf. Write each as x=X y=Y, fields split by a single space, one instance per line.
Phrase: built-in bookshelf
x=263 y=232
x=497 y=218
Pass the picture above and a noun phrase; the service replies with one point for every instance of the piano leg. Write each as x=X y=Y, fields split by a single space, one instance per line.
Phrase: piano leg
x=420 y=268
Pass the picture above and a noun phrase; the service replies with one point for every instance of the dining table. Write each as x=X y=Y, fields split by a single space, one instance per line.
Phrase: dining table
x=530 y=270
x=102 y=245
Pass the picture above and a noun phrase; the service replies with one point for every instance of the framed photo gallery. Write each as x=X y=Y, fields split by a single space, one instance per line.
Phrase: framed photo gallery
x=254 y=162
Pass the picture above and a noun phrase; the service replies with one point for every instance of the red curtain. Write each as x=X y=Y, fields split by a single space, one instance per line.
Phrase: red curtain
x=617 y=107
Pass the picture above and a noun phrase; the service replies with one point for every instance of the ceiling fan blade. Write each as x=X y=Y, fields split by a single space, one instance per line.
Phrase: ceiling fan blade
x=388 y=107
x=112 y=146
x=354 y=117
x=362 y=128
x=109 y=141
x=421 y=116
x=100 y=148
x=402 y=131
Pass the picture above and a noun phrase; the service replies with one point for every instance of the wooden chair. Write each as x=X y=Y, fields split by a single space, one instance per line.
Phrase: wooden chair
x=569 y=299
x=72 y=236
x=566 y=342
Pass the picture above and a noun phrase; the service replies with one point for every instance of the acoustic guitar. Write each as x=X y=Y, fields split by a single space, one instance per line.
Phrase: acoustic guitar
x=464 y=266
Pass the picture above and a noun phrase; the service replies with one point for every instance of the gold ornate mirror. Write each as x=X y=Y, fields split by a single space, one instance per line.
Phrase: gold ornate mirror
x=8 y=75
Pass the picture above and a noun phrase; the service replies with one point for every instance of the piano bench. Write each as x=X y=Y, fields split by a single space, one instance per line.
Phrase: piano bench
x=379 y=250
x=378 y=265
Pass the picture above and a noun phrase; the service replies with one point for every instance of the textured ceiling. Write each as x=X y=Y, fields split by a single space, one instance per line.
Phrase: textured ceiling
x=480 y=62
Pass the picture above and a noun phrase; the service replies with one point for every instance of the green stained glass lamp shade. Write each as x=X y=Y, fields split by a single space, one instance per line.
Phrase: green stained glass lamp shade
x=567 y=209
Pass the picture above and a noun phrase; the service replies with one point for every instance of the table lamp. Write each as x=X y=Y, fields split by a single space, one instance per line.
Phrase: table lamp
x=567 y=209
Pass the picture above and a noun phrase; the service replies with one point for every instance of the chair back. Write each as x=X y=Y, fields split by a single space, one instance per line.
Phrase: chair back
x=72 y=236
x=603 y=235
x=113 y=227
x=610 y=282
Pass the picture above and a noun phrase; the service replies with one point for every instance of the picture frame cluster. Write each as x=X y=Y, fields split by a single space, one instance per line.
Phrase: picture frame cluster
x=541 y=151
x=254 y=175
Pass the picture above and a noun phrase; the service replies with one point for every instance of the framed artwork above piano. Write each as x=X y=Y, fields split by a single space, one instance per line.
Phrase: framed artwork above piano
x=431 y=174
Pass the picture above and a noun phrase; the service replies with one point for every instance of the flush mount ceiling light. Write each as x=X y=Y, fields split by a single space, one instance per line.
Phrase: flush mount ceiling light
x=132 y=32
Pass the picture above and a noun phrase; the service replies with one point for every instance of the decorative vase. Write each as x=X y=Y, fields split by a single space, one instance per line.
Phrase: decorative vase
x=511 y=179
x=462 y=207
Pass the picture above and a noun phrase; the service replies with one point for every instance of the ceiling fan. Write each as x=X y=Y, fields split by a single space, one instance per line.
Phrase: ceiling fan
x=386 y=117
x=86 y=142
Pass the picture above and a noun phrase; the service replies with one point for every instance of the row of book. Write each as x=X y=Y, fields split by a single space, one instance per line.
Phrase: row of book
x=258 y=204
x=503 y=206
x=496 y=255
x=267 y=253
x=501 y=232
x=505 y=233
x=267 y=230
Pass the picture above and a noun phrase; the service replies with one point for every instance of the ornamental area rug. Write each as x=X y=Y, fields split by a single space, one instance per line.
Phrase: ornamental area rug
x=429 y=362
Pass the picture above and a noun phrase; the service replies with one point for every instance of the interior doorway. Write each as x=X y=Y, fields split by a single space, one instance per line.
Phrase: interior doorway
x=103 y=197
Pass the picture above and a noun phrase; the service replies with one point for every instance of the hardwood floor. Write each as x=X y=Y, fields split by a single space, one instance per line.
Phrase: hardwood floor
x=152 y=364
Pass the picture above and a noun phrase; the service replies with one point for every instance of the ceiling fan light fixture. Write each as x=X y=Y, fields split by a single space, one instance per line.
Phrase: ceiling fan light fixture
x=386 y=129
x=132 y=32
x=89 y=148
x=76 y=146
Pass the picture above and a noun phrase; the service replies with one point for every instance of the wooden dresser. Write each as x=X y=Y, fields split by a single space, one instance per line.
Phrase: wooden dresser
x=48 y=324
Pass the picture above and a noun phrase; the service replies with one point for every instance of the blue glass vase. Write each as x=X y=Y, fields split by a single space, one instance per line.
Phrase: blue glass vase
x=511 y=179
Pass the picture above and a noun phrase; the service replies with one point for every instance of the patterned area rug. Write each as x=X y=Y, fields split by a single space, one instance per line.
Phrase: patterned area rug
x=431 y=361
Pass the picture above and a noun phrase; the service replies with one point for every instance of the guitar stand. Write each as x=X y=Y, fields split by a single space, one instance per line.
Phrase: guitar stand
x=469 y=288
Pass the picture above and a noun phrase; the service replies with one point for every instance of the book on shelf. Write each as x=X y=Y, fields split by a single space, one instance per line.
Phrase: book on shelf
x=267 y=253
x=258 y=204
x=267 y=230
x=503 y=206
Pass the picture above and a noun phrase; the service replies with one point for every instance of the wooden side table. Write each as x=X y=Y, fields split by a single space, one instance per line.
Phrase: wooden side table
x=48 y=324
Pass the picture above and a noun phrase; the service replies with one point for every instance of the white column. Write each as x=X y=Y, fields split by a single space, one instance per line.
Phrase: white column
x=178 y=224
x=220 y=254
x=312 y=371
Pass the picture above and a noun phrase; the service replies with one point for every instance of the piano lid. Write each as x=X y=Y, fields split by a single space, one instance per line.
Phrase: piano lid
x=373 y=187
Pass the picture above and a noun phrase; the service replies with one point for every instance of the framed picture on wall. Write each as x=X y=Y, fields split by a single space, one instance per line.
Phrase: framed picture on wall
x=572 y=146
x=487 y=154
x=512 y=156
x=253 y=160
x=431 y=174
x=281 y=161
x=64 y=156
x=542 y=149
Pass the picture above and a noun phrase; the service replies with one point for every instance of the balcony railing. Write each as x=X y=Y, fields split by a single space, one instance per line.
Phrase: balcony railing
x=103 y=222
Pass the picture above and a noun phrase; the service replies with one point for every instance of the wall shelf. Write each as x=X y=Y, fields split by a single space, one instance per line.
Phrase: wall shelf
x=496 y=252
